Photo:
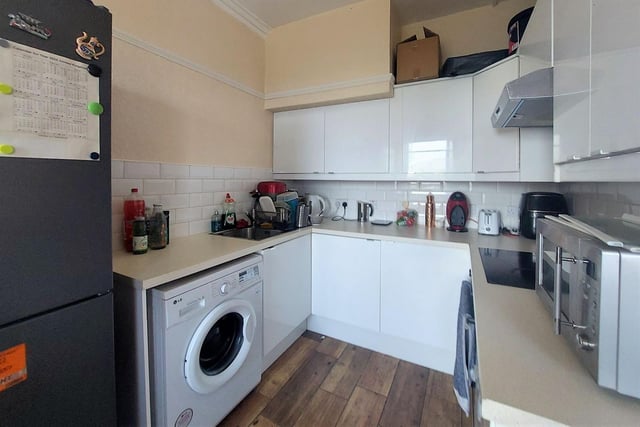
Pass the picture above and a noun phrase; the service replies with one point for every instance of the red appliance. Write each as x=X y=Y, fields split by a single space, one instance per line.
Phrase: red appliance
x=457 y=212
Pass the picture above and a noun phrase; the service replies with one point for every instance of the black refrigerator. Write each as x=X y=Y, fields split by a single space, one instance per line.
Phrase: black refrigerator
x=56 y=303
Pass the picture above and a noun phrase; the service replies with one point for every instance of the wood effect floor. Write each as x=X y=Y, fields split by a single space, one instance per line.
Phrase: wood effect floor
x=322 y=382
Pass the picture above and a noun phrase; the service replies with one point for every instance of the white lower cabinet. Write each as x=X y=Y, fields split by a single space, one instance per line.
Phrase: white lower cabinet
x=420 y=292
x=346 y=280
x=286 y=295
x=399 y=299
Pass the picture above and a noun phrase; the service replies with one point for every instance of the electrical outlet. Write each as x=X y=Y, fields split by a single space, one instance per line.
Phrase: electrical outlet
x=339 y=203
x=512 y=211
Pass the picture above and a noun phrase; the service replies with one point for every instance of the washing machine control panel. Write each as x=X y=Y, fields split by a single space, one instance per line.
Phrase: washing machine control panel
x=236 y=282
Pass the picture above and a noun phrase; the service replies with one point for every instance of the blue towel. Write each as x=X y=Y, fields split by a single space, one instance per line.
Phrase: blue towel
x=464 y=371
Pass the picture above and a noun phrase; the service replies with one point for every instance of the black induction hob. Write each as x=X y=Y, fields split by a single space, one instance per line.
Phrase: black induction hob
x=509 y=268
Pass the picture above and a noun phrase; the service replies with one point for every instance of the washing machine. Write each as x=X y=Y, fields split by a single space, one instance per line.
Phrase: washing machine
x=206 y=341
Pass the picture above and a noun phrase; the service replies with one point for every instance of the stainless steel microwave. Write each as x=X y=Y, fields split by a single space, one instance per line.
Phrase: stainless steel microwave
x=591 y=288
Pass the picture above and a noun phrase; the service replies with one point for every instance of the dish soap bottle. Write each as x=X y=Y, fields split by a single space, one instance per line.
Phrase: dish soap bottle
x=216 y=225
x=229 y=212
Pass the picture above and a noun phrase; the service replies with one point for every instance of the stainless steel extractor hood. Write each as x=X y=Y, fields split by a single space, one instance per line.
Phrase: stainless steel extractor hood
x=526 y=102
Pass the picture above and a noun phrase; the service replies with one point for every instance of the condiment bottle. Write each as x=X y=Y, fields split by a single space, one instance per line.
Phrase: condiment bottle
x=157 y=228
x=229 y=212
x=133 y=208
x=430 y=212
x=140 y=240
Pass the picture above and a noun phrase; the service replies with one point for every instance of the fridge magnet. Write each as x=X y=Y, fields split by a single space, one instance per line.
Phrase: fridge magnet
x=29 y=24
x=89 y=47
x=13 y=366
x=94 y=70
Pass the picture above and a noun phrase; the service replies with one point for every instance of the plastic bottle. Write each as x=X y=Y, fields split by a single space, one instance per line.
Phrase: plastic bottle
x=229 y=212
x=216 y=225
x=140 y=239
x=158 y=228
x=133 y=208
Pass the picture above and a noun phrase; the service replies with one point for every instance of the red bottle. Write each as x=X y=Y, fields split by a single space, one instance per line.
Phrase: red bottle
x=133 y=207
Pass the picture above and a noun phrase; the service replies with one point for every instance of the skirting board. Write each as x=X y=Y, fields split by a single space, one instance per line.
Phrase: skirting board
x=421 y=354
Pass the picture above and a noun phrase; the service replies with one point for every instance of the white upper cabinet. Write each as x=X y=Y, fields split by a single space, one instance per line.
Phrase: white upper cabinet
x=436 y=126
x=571 y=83
x=494 y=150
x=339 y=139
x=357 y=137
x=615 y=70
x=596 y=90
x=298 y=141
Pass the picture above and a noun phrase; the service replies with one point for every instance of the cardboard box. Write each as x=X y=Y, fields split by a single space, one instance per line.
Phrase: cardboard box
x=418 y=59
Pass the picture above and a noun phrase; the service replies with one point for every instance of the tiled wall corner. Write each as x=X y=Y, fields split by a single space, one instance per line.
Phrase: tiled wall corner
x=191 y=193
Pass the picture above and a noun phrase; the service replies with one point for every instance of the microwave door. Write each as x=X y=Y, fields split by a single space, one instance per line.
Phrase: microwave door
x=557 y=277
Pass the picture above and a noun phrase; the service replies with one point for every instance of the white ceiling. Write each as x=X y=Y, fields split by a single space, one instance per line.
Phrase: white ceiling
x=274 y=13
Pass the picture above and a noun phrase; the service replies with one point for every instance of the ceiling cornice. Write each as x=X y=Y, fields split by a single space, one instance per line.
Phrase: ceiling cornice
x=244 y=15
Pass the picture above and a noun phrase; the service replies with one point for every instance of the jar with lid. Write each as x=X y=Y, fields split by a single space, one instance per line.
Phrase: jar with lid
x=157 y=228
x=140 y=240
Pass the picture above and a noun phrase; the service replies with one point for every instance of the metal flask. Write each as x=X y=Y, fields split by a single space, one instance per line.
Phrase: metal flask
x=365 y=210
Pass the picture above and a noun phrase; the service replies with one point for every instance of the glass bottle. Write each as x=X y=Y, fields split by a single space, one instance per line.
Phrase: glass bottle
x=140 y=238
x=157 y=228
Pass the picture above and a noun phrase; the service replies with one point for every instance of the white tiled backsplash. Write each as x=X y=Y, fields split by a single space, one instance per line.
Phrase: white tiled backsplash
x=388 y=196
x=602 y=198
x=587 y=199
x=191 y=193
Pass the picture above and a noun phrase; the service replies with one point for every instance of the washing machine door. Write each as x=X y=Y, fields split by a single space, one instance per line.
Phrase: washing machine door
x=220 y=345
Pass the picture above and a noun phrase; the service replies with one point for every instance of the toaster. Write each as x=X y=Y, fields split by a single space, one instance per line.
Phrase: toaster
x=489 y=222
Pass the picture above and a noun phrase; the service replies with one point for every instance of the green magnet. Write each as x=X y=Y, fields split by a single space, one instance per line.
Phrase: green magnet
x=7 y=149
x=6 y=89
x=95 y=108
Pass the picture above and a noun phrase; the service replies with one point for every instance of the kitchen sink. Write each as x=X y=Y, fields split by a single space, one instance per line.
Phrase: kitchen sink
x=250 y=233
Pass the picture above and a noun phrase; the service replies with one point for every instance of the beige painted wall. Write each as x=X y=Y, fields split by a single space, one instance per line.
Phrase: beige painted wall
x=166 y=112
x=343 y=45
x=472 y=31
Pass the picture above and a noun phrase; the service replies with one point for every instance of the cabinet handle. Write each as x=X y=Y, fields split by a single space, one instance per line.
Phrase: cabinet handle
x=599 y=152
x=316 y=172
x=575 y=157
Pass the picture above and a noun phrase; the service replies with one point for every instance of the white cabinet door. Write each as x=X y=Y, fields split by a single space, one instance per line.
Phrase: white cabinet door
x=437 y=126
x=286 y=292
x=615 y=67
x=571 y=82
x=298 y=141
x=346 y=280
x=357 y=137
x=494 y=150
x=420 y=293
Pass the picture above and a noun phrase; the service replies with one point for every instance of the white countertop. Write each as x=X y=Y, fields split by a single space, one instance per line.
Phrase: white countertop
x=528 y=374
